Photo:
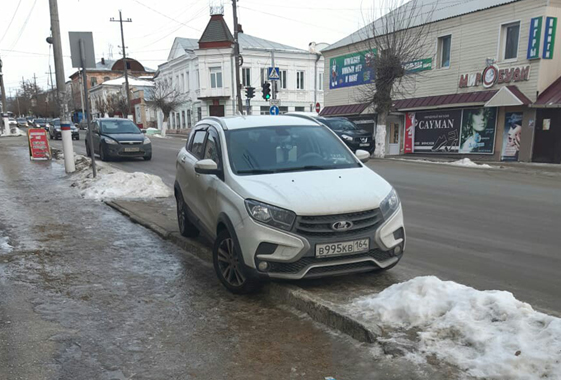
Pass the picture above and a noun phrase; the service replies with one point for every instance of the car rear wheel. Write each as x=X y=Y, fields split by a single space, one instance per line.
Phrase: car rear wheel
x=186 y=228
x=88 y=151
x=228 y=265
x=102 y=152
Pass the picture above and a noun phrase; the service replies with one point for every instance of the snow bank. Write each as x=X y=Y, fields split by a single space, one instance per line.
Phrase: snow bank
x=465 y=162
x=487 y=334
x=14 y=131
x=5 y=246
x=112 y=183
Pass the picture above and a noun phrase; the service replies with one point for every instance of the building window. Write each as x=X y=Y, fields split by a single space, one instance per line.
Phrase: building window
x=320 y=81
x=182 y=83
x=183 y=119
x=444 y=46
x=198 y=79
x=187 y=81
x=264 y=76
x=300 y=80
x=283 y=110
x=215 y=77
x=199 y=114
x=264 y=110
x=188 y=118
x=246 y=76
x=299 y=109
x=105 y=79
x=93 y=81
x=511 y=34
x=283 y=79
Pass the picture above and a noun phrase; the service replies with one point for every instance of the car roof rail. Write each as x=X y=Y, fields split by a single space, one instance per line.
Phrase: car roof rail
x=218 y=120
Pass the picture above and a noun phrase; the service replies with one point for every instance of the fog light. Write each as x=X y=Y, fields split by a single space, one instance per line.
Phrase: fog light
x=263 y=266
x=397 y=250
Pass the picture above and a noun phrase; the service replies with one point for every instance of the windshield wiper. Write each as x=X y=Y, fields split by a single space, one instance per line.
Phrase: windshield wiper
x=256 y=171
x=303 y=168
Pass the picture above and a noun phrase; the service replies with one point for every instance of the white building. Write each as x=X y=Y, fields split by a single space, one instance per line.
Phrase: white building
x=203 y=71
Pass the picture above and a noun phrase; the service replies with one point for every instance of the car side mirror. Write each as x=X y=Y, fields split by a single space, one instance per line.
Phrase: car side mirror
x=206 y=167
x=362 y=155
x=143 y=131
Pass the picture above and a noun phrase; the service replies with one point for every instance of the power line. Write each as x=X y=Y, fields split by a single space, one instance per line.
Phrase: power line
x=166 y=16
x=10 y=24
x=24 y=24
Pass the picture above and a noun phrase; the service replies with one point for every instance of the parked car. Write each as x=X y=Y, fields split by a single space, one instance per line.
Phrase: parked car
x=42 y=123
x=352 y=135
x=55 y=131
x=12 y=121
x=116 y=138
x=282 y=197
x=22 y=122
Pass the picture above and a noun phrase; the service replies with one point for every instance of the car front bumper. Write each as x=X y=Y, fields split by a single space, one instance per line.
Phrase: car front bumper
x=292 y=256
x=135 y=150
x=354 y=146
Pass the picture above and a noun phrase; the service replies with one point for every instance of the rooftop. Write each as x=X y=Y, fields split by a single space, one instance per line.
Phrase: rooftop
x=132 y=82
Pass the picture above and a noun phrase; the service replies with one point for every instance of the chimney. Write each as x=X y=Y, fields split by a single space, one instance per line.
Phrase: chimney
x=102 y=61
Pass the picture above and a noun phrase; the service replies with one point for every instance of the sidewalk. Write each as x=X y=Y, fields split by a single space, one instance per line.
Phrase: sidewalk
x=88 y=295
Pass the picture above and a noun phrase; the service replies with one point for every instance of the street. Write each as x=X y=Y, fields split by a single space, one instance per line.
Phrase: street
x=490 y=229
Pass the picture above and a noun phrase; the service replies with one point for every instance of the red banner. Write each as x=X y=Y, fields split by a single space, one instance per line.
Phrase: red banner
x=38 y=144
x=409 y=133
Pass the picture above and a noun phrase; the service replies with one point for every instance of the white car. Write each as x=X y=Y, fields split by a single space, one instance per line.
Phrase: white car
x=282 y=197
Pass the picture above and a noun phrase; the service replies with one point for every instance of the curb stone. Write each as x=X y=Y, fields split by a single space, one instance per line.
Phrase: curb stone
x=319 y=310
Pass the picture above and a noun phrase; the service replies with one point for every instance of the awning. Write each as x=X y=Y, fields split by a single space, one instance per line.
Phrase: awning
x=509 y=96
x=551 y=97
x=346 y=110
x=468 y=99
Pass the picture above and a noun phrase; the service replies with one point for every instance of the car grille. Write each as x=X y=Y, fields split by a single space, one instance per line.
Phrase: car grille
x=305 y=262
x=363 y=140
x=321 y=226
x=364 y=265
x=130 y=142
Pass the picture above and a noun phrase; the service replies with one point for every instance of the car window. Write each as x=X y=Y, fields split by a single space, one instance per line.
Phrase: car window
x=198 y=144
x=268 y=150
x=340 y=124
x=212 y=147
x=96 y=127
x=123 y=126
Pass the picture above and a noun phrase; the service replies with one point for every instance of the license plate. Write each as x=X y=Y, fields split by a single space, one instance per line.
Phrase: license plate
x=132 y=149
x=364 y=144
x=335 y=249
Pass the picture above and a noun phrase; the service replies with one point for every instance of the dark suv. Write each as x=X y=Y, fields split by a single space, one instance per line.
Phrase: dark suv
x=354 y=137
x=55 y=131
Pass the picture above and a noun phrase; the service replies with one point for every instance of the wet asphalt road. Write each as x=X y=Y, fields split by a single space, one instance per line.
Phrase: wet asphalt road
x=86 y=294
x=490 y=229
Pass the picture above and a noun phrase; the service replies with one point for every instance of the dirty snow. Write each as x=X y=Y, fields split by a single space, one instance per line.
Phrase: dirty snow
x=487 y=334
x=464 y=162
x=5 y=246
x=112 y=183
x=14 y=131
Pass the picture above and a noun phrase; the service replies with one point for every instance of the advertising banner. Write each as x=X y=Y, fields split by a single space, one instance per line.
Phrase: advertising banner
x=418 y=65
x=409 y=132
x=478 y=131
x=535 y=38
x=352 y=69
x=437 y=131
x=38 y=144
x=511 y=136
x=549 y=37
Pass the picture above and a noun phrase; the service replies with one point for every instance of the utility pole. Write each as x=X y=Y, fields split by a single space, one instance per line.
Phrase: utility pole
x=124 y=57
x=67 y=147
x=3 y=90
x=237 y=57
x=273 y=82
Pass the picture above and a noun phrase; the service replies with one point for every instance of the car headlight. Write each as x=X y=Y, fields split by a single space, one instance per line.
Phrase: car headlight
x=390 y=204
x=270 y=215
x=111 y=142
x=146 y=140
x=347 y=137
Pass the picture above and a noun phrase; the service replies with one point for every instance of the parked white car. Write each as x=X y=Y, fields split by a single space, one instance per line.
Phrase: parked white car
x=283 y=197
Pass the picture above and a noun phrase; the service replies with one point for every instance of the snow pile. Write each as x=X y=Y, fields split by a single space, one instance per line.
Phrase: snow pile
x=464 y=162
x=487 y=334
x=5 y=246
x=14 y=131
x=112 y=183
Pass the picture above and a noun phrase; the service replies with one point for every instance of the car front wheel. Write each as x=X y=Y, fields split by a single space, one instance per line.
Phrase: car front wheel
x=228 y=265
x=186 y=228
x=102 y=153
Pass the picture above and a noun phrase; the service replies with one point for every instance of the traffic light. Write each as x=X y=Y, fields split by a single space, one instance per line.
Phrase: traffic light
x=250 y=92
x=266 y=90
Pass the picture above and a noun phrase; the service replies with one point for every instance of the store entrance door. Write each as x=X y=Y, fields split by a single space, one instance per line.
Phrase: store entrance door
x=394 y=139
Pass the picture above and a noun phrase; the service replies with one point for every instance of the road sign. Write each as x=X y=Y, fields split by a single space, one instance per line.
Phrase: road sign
x=274 y=110
x=89 y=54
x=273 y=73
x=318 y=107
x=275 y=102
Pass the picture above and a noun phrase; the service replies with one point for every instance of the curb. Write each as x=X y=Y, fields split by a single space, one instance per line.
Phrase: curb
x=319 y=310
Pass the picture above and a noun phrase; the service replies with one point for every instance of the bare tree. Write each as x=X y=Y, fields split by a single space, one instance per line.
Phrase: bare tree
x=100 y=104
x=166 y=98
x=397 y=37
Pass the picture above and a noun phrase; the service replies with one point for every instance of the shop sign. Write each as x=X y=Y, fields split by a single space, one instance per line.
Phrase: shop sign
x=549 y=37
x=512 y=136
x=409 y=132
x=535 y=38
x=418 y=65
x=352 y=69
x=478 y=130
x=494 y=75
x=437 y=131
x=38 y=144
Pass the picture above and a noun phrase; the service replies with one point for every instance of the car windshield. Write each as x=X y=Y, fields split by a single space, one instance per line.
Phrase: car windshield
x=267 y=150
x=118 y=126
x=22 y=120
x=40 y=121
x=56 y=122
x=340 y=124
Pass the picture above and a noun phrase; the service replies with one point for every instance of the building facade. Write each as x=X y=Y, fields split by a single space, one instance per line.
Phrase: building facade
x=485 y=89
x=202 y=70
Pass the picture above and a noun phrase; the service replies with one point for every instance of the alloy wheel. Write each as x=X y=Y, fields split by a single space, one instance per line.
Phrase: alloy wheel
x=229 y=264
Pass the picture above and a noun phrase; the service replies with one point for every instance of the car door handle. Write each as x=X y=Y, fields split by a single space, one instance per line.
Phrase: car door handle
x=183 y=159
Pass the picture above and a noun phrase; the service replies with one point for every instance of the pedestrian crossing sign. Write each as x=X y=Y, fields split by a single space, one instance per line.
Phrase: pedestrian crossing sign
x=274 y=73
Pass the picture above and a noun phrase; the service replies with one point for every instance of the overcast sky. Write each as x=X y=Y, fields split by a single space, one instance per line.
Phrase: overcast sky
x=24 y=25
